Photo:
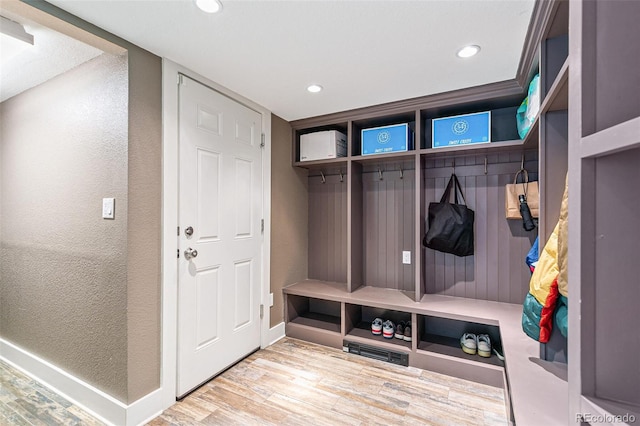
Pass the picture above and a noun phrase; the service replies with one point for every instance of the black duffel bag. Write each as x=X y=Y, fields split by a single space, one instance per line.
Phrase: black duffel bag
x=450 y=225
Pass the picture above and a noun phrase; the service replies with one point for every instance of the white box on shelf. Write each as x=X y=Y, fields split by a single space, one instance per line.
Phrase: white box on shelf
x=323 y=145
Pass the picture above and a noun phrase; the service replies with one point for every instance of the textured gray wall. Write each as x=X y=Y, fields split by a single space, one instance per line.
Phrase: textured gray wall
x=144 y=222
x=289 y=217
x=64 y=268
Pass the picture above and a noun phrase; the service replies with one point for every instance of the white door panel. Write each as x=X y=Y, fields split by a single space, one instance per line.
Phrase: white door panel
x=221 y=199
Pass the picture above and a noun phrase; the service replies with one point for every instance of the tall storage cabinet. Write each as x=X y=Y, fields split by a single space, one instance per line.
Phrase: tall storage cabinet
x=604 y=198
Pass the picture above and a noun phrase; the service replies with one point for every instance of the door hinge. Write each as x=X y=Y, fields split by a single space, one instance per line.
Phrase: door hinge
x=262 y=139
x=262 y=225
x=178 y=253
x=180 y=80
x=178 y=231
x=261 y=311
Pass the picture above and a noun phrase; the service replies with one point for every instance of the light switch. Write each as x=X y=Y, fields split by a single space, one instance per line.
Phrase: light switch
x=406 y=257
x=108 y=208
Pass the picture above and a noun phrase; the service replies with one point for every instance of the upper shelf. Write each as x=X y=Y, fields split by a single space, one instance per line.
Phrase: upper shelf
x=557 y=98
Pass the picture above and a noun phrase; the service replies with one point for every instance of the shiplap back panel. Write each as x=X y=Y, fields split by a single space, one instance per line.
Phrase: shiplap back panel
x=328 y=228
x=497 y=270
x=388 y=229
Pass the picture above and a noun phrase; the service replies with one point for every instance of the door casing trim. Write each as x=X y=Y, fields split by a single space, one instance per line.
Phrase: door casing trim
x=170 y=187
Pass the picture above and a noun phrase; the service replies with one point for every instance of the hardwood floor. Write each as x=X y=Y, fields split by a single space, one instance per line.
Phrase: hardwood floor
x=289 y=383
x=298 y=383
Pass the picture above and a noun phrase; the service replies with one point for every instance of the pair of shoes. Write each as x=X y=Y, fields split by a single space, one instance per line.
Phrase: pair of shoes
x=385 y=328
x=403 y=331
x=472 y=344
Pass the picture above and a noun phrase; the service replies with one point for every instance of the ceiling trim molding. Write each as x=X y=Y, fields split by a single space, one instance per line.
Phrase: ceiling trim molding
x=494 y=91
x=543 y=11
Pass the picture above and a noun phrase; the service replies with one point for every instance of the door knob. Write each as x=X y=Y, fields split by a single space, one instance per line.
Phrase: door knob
x=190 y=253
x=189 y=231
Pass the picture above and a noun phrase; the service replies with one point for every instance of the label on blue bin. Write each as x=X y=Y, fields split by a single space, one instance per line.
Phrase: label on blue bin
x=461 y=130
x=381 y=140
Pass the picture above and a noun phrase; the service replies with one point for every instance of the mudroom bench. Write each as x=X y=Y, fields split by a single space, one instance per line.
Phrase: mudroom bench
x=326 y=313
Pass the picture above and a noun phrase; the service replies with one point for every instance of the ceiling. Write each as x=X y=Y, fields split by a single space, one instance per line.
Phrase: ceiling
x=362 y=52
x=52 y=54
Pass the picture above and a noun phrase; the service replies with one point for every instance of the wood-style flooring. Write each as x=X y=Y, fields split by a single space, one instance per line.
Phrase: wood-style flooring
x=289 y=383
x=298 y=383
x=25 y=402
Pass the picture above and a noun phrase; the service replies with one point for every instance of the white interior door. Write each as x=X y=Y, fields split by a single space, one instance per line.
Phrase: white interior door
x=220 y=217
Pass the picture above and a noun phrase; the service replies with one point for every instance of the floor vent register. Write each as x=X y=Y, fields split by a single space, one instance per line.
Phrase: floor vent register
x=376 y=353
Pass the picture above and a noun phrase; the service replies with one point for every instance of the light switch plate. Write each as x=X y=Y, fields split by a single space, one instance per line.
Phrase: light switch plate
x=406 y=257
x=108 y=208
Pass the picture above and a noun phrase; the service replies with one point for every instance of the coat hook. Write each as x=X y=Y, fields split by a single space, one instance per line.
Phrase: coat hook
x=453 y=164
x=324 y=180
x=522 y=162
x=485 y=165
x=341 y=176
x=401 y=173
x=380 y=174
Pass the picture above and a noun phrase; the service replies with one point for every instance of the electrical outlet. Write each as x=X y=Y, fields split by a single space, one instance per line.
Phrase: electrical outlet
x=406 y=257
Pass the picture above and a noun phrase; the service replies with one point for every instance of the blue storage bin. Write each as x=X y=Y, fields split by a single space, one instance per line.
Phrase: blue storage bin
x=463 y=129
x=385 y=139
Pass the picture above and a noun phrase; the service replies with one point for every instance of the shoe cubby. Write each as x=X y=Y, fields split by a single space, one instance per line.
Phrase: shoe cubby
x=442 y=336
x=313 y=319
x=357 y=323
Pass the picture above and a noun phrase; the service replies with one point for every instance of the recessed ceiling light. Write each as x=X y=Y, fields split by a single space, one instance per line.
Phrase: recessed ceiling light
x=209 y=6
x=314 y=88
x=468 y=51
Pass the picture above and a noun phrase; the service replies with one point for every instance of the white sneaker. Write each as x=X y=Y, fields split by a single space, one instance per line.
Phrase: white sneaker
x=469 y=344
x=388 y=329
x=484 y=345
x=376 y=326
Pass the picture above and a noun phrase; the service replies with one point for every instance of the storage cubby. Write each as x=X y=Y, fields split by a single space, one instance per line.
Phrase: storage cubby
x=358 y=320
x=442 y=336
x=495 y=271
x=388 y=202
x=610 y=77
x=378 y=121
x=316 y=313
x=328 y=224
x=342 y=127
x=503 y=125
x=616 y=345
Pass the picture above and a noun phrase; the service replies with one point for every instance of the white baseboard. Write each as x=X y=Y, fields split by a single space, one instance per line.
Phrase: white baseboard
x=275 y=333
x=97 y=403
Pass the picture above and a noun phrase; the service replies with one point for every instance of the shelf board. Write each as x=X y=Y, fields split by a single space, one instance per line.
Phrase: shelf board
x=618 y=138
x=481 y=148
x=362 y=333
x=604 y=407
x=457 y=308
x=318 y=164
x=557 y=98
x=317 y=320
x=318 y=289
x=384 y=158
x=450 y=346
